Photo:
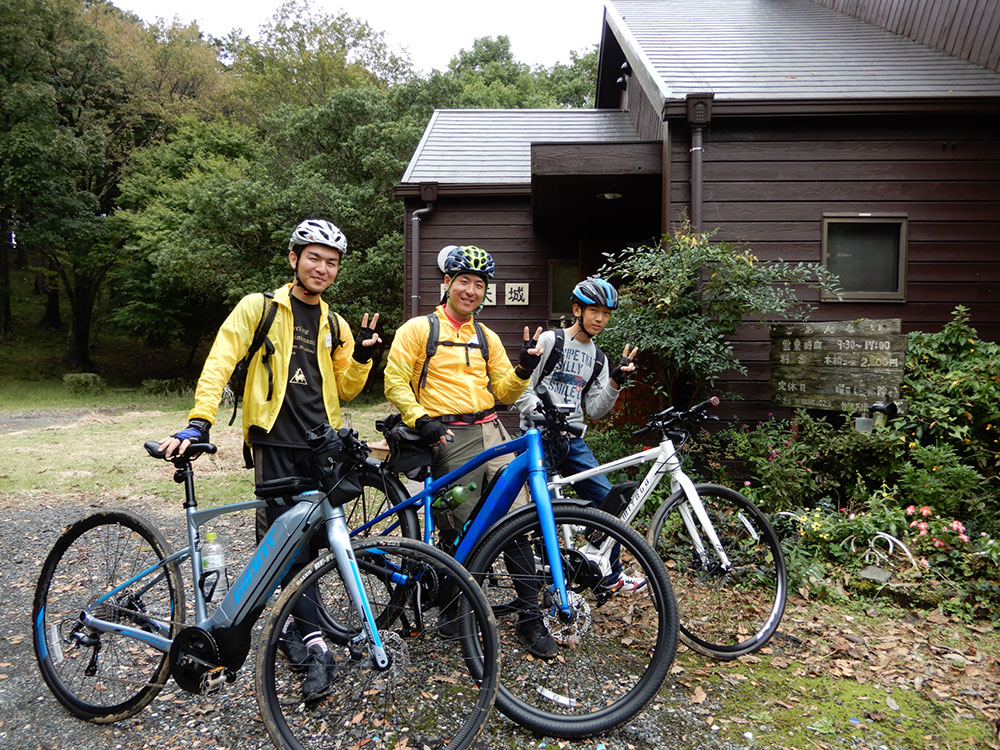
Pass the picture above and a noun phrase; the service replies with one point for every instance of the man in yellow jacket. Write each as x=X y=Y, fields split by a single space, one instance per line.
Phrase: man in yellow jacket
x=294 y=383
x=453 y=393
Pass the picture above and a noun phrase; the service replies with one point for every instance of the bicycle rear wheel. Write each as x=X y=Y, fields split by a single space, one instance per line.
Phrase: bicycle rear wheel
x=724 y=613
x=380 y=491
x=437 y=628
x=105 y=677
x=615 y=651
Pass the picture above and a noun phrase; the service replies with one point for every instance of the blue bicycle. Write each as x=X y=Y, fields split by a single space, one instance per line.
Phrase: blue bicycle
x=109 y=622
x=614 y=649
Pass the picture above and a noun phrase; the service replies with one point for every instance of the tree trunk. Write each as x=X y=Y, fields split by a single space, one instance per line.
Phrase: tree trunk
x=49 y=286
x=6 y=318
x=82 y=314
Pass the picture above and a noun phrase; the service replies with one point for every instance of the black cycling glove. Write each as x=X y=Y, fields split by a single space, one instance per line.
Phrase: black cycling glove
x=431 y=430
x=528 y=362
x=364 y=353
x=196 y=431
x=617 y=374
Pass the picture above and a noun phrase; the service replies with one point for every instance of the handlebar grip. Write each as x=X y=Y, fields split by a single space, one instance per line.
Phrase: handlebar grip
x=545 y=397
x=713 y=401
x=575 y=429
x=642 y=431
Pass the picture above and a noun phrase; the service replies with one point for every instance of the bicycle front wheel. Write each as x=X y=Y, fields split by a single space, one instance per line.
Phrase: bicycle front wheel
x=437 y=629
x=725 y=612
x=614 y=649
x=106 y=677
x=380 y=491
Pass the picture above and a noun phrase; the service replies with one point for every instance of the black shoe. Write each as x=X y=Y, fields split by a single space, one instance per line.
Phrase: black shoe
x=532 y=631
x=448 y=622
x=294 y=649
x=322 y=667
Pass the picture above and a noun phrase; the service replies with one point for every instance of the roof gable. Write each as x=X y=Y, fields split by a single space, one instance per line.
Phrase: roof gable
x=774 y=50
x=493 y=146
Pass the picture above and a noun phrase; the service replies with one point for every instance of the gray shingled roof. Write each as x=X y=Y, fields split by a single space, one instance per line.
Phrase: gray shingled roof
x=468 y=146
x=784 y=49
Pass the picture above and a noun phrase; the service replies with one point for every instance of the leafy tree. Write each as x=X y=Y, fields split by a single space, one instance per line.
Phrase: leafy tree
x=682 y=299
x=302 y=57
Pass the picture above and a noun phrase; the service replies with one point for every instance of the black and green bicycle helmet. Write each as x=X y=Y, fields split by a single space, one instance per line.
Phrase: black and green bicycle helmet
x=455 y=259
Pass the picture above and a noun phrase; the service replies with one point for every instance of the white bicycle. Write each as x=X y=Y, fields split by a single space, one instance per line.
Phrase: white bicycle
x=723 y=556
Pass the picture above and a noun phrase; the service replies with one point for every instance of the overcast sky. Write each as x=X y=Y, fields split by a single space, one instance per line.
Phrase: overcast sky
x=542 y=32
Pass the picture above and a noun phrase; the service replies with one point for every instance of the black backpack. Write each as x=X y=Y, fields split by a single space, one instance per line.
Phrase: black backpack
x=556 y=354
x=432 y=345
x=238 y=380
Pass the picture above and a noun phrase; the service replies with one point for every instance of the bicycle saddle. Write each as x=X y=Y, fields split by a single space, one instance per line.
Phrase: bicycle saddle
x=193 y=451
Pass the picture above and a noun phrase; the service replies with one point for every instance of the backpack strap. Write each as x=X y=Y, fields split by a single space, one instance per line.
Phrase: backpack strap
x=599 y=360
x=267 y=314
x=433 y=330
x=433 y=334
x=335 y=339
x=555 y=355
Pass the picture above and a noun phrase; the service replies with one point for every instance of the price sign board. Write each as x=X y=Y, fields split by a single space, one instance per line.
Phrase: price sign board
x=842 y=366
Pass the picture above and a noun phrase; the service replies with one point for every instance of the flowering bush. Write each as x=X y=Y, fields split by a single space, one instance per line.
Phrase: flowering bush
x=947 y=550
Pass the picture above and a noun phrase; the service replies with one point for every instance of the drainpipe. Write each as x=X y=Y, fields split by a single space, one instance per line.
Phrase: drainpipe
x=699 y=114
x=428 y=193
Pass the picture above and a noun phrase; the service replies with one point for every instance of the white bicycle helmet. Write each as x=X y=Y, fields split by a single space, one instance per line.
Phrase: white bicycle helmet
x=318 y=232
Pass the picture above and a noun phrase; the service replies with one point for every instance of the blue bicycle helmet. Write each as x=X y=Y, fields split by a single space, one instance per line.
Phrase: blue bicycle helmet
x=594 y=291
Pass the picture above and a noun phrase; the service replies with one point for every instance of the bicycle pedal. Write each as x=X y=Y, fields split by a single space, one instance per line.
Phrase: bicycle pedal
x=214 y=679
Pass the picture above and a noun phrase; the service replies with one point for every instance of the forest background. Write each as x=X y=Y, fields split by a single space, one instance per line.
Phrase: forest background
x=150 y=174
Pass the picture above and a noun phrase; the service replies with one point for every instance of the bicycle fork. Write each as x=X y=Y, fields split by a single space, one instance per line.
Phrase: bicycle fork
x=340 y=543
x=692 y=508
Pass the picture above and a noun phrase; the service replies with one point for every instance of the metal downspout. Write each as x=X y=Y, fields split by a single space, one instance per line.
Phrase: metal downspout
x=699 y=115
x=696 y=178
x=415 y=258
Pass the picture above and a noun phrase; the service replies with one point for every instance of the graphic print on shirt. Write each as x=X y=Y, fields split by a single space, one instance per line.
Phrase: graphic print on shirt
x=568 y=378
x=303 y=343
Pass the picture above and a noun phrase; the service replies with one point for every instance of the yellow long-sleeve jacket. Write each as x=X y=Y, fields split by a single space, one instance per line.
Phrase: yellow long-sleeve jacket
x=343 y=377
x=454 y=386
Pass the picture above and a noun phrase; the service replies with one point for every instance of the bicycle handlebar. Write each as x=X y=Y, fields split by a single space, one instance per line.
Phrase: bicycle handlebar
x=555 y=416
x=669 y=418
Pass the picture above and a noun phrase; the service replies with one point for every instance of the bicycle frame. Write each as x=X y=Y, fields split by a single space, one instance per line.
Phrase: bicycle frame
x=665 y=461
x=268 y=565
x=527 y=466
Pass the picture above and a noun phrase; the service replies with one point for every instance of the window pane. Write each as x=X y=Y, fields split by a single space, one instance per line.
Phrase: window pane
x=563 y=277
x=864 y=255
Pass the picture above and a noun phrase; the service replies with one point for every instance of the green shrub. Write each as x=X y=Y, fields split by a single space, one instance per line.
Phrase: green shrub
x=84 y=383
x=167 y=387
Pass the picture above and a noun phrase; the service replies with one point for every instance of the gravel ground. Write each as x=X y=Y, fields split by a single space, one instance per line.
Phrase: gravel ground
x=31 y=718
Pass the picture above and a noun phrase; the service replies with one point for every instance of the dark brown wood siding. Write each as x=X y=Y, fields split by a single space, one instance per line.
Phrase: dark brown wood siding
x=968 y=29
x=768 y=184
x=503 y=227
x=648 y=120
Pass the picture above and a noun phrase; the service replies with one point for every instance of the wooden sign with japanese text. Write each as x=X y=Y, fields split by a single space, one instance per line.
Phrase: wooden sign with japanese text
x=842 y=366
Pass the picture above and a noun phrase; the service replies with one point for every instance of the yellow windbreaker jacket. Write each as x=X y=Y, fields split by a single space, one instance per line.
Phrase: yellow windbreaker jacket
x=343 y=377
x=452 y=387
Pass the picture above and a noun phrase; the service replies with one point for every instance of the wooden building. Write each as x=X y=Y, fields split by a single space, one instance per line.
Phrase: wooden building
x=863 y=134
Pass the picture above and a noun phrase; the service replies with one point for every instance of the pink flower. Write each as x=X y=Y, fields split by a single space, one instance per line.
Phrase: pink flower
x=924 y=563
x=925 y=510
x=913 y=523
x=963 y=537
x=923 y=532
x=956 y=526
x=922 y=526
x=746 y=483
x=938 y=542
x=911 y=509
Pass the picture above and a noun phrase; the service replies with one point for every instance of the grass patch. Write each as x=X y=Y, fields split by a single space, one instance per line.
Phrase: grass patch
x=99 y=451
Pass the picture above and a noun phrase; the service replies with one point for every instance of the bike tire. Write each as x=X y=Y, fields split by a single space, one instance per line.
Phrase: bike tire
x=381 y=490
x=724 y=614
x=619 y=647
x=104 y=677
x=427 y=696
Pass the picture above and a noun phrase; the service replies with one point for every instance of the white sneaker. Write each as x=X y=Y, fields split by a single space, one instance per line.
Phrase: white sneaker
x=625 y=584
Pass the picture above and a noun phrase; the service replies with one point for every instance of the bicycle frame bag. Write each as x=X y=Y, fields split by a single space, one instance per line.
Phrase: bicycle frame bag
x=407 y=453
x=339 y=478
